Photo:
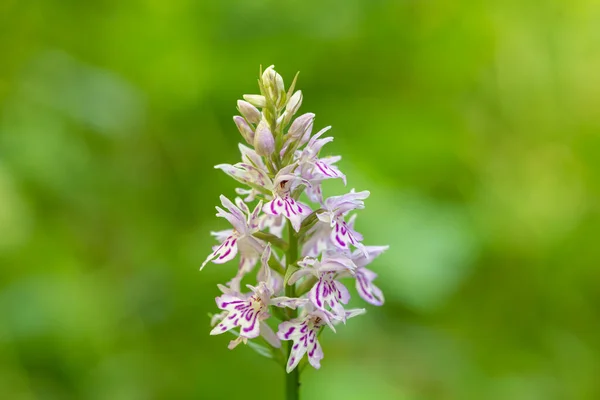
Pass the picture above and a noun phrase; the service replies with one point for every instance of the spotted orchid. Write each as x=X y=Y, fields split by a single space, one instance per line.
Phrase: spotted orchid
x=304 y=254
x=240 y=238
x=332 y=230
x=315 y=170
x=249 y=310
x=283 y=202
x=304 y=333
x=364 y=277
x=328 y=294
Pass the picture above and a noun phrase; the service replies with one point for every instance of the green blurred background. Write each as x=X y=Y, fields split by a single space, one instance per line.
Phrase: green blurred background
x=475 y=125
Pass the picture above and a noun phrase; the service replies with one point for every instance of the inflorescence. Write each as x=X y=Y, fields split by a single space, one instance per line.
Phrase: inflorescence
x=303 y=293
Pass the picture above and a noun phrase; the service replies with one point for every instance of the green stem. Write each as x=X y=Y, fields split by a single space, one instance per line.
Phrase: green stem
x=292 y=380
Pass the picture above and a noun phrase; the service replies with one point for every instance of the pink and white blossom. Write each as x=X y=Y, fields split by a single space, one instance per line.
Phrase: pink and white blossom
x=248 y=310
x=283 y=204
x=240 y=238
x=327 y=294
x=280 y=165
x=304 y=332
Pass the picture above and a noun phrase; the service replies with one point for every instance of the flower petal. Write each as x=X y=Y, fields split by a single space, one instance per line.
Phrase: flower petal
x=223 y=253
x=342 y=292
x=365 y=288
x=289 y=302
x=325 y=169
x=298 y=351
x=342 y=236
x=288 y=207
x=328 y=295
x=267 y=333
x=289 y=330
x=315 y=352
x=227 y=323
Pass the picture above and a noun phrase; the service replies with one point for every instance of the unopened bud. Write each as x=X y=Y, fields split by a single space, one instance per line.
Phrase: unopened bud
x=249 y=112
x=256 y=100
x=244 y=128
x=264 y=142
x=301 y=126
x=273 y=83
x=294 y=103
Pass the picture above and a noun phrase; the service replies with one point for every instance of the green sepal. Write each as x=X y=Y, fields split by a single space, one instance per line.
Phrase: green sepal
x=276 y=266
x=291 y=268
x=274 y=240
x=309 y=222
x=290 y=91
x=258 y=348
x=298 y=191
x=279 y=313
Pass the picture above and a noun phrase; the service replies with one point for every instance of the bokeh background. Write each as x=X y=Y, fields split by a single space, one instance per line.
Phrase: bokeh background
x=475 y=125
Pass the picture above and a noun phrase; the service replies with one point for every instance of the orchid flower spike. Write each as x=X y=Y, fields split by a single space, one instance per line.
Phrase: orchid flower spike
x=305 y=245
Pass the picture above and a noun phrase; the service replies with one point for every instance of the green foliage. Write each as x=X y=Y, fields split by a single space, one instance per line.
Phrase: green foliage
x=475 y=126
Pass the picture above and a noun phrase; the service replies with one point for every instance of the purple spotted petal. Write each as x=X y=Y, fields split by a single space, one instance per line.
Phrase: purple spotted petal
x=226 y=251
x=225 y=324
x=303 y=332
x=324 y=169
x=327 y=296
x=291 y=209
x=364 y=285
x=315 y=193
x=315 y=352
x=242 y=313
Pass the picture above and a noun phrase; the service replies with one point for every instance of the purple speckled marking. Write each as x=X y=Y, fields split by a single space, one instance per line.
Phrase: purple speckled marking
x=364 y=285
x=320 y=166
x=226 y=304
x=311 y=353
x=273 y=208
x=225 y=254
x=319 y=302
x=251 y=327
x=289 y=332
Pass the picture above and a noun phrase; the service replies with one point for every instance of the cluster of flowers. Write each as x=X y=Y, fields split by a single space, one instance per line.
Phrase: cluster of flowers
x=322 y=245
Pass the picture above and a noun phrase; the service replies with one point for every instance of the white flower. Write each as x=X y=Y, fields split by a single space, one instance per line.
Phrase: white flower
x=283 y=203
x=239 y=238
x=304 y=332
x=248 y=310
x=328 y=294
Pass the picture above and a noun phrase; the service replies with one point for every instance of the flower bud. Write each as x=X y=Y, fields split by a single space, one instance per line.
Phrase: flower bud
x=294 y=103
x=273 y=83
x=249 y=112
x=256 y=100
x=264 y=142
x=244 y=128
x=301 y=126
